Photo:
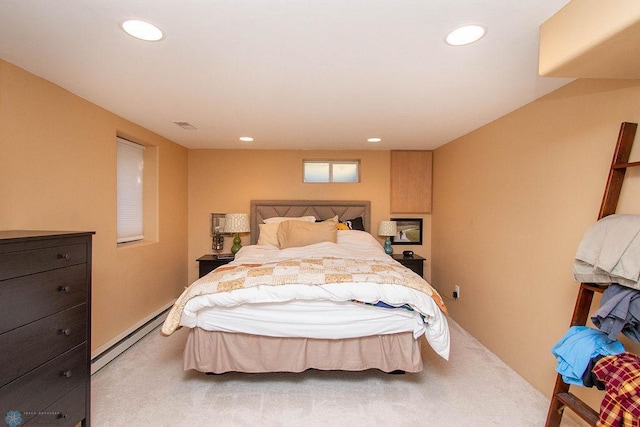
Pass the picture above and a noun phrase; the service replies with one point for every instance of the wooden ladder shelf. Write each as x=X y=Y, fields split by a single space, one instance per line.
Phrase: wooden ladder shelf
x=561 y=397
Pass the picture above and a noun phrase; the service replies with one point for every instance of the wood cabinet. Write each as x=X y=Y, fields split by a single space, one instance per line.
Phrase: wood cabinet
x=411 y=181
x=45 y=301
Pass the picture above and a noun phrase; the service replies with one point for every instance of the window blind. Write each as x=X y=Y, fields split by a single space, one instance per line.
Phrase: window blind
x=130 y=195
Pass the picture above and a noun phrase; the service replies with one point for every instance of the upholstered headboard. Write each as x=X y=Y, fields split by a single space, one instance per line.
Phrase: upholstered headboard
x=321 y=209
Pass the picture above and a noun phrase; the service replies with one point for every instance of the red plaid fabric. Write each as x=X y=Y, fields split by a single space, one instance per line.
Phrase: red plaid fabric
x=621 y=375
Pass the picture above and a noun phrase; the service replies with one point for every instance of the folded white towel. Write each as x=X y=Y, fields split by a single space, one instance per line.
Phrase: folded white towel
x=610 y=248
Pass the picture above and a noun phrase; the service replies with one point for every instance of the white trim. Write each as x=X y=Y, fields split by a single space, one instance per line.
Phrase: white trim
x=115 y=347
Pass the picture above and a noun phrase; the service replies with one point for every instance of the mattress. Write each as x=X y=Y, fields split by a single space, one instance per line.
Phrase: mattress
x=311 y=319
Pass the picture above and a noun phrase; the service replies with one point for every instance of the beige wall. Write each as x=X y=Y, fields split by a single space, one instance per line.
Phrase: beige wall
x=511 y=203
x=58 y=157
x=227 y=180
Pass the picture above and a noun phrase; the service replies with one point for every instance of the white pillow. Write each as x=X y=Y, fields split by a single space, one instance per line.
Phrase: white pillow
x=279 y=219
x=268 y=235
x=357 y=239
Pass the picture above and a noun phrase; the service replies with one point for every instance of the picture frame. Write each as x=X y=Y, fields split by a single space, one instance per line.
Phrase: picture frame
x=409 y=231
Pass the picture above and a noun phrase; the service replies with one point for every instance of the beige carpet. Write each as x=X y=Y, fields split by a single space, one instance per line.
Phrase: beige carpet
x=147 y=387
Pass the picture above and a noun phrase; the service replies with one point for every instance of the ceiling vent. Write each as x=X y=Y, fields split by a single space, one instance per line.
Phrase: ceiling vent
x=185 y=125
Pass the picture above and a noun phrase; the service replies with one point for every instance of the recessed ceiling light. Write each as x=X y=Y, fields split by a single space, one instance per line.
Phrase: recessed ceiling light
x=374 y=140
x=142 y=30
x=466 y=34
x=246 y=139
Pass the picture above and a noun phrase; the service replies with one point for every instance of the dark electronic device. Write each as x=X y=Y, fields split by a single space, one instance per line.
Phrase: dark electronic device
x=407 y=253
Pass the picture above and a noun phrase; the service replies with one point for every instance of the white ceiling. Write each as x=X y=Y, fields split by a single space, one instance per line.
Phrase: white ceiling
x=293 y=74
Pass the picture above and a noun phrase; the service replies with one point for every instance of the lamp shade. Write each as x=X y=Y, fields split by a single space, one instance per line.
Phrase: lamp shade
x=387 y=228
x=236 y=223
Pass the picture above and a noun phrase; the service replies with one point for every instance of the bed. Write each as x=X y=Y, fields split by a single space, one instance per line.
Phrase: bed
x=314 y=290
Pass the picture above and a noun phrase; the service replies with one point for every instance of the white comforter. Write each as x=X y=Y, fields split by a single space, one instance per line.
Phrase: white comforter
x=351 y=245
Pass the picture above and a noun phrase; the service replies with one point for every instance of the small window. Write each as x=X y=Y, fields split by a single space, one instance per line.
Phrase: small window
x=331 y=171
x=130 y=191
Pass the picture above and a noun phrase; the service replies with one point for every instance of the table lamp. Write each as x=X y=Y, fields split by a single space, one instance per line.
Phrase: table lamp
x=236 y=223
x=388 y=229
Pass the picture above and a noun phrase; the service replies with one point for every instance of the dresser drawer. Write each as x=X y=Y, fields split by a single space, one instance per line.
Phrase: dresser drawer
x=30 y=346
x=21 y=263
x=66 y=411
x=29 y=298
x=40 y=388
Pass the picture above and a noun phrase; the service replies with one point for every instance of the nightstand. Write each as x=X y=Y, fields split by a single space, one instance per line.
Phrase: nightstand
x=208 y=263
x=414 y=263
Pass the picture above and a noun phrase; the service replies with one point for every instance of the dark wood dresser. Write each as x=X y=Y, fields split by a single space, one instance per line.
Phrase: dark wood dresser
x=45 y=326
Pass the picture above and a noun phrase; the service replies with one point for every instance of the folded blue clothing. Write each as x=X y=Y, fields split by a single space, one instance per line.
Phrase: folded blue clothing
x=577 y=347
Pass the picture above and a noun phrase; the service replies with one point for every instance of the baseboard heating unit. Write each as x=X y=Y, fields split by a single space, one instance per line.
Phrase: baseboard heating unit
x=112 y=349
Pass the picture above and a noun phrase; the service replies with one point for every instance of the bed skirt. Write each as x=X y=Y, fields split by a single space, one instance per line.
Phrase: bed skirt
x=220 y=352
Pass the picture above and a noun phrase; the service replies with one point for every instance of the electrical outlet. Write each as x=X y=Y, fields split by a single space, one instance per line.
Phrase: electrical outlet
x=456 y=292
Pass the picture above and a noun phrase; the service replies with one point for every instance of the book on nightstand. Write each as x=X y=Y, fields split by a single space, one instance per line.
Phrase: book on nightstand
x=225 y=256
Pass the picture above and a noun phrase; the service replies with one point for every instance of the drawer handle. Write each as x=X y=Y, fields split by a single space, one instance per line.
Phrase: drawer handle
x=66 y=289
x=64 y=256
x=66 y=332
x=66 y=374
